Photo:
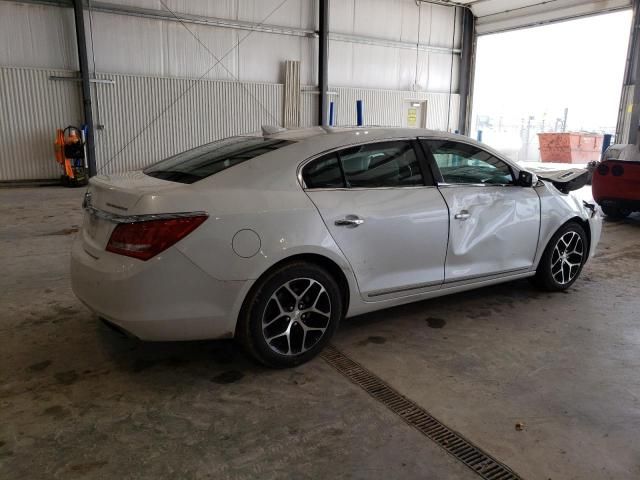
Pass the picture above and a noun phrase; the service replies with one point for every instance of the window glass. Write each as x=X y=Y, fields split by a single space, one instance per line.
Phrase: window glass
x=206 y=160
x=323 y=172
x=385 y=164
x=463 y=163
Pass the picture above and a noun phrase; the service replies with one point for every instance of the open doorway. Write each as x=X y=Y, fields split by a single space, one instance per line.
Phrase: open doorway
x=561 y=77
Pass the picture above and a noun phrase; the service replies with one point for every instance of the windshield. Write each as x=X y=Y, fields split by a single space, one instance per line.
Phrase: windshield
x=206 y=160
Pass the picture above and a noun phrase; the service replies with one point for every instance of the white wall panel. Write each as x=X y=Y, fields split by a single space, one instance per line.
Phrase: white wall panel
x=437 y=26
x=261 y=57
x=294 y=13
x=37 y=36
x=375 y=66
x=153 y=61
x=386 y=107
x=149 y=118
x=32 y=107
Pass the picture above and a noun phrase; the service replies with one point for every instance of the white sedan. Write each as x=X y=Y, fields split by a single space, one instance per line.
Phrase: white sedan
x=274 y=239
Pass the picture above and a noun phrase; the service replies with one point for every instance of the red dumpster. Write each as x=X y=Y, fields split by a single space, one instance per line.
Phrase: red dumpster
x=570 y=147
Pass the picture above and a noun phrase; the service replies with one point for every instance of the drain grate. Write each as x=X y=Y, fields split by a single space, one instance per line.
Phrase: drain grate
x=455 y=444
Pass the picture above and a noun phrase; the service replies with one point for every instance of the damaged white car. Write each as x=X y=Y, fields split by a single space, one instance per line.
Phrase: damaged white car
x=274 y=239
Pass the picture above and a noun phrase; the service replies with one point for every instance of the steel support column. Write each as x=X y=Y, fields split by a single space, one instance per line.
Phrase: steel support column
x=323 y=61
x=629 y=113
x=467 y=60
x=78 y=10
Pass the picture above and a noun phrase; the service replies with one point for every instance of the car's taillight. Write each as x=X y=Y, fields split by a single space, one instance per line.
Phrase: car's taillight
x=146 y=239
x=617 y=170
x=603 y=169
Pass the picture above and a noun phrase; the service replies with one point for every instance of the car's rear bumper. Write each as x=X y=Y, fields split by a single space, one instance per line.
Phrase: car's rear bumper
x=165 y=298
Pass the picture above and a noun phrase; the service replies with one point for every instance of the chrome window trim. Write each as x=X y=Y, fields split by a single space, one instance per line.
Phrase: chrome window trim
x=305 y=162
x=117 y=218
x=352 y=189
x=454 y=185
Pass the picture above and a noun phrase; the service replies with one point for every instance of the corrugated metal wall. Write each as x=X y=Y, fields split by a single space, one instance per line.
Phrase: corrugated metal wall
x=386 y=107
x=149 y=118
x=153 y=62
x=31 y=107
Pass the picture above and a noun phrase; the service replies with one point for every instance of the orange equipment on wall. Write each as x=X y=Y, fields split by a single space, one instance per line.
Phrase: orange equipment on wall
x=69 y=152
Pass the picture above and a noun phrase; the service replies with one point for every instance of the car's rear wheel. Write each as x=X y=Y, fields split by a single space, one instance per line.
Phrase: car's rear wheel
x=290 y=315
x=563 y=259
x=615 y=211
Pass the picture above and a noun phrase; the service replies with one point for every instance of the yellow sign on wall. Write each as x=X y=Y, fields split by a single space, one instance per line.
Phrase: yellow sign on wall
x=412 y=117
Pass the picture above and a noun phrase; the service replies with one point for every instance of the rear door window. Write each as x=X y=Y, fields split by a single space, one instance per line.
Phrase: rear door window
x=209 y=159
x=324 y=172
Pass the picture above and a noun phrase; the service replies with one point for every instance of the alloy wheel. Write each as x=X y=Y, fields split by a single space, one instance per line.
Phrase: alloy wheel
x=296 y=316
x=567 y=257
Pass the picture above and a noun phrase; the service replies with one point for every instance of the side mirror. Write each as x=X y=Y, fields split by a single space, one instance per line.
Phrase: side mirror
x=527 y=179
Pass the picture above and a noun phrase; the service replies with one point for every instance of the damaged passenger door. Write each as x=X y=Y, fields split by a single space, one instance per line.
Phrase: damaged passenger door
x=494 y=223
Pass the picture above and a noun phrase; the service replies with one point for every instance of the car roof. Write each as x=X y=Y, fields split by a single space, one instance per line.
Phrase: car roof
x=346 y=135
x=320 y=139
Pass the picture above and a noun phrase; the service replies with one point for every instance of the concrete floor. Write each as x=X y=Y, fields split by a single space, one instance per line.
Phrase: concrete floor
x=77 y=401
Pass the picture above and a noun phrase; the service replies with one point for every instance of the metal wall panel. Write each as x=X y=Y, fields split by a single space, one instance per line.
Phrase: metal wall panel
x=147 y=119
x=165 y=48
x=386 y=107
x=31 y=108
x=354 y=64
x=37 y=36
x=154 y=61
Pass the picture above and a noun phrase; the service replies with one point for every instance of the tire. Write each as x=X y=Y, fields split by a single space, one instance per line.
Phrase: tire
x=616 y=212
x=275 y=330
x=560 y=264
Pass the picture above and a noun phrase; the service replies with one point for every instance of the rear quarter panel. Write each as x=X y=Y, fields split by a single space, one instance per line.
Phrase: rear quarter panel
x=262 y=196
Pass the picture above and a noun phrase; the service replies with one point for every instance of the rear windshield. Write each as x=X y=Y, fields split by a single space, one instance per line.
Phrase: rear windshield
x=206 y=160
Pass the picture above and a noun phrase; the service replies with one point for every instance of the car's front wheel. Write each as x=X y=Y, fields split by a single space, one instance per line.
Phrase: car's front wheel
x=290 y=315
x=563 y=259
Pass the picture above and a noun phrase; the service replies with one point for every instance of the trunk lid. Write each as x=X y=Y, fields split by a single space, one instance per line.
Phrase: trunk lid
x=115 y=194
x=119 y=193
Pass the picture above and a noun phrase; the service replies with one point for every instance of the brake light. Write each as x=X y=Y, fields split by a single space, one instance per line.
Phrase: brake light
x=603 y=169
x=146 y=239
x=617 y=170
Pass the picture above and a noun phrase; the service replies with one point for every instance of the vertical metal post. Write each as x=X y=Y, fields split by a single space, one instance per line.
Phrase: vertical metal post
x=331 y=119
x=360 y=112
x=629 y=113
x=465 y=75
x=78 y=10
x=323 y=60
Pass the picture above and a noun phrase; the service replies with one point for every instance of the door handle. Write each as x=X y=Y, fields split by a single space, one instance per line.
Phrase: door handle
x=462 y=215
x=350 y=221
